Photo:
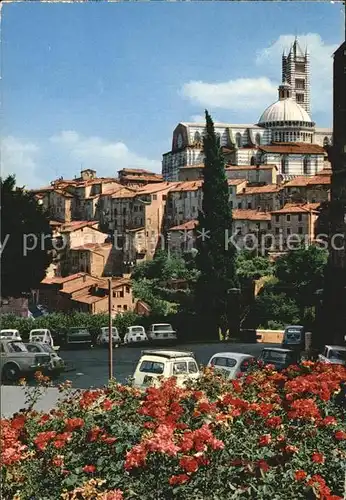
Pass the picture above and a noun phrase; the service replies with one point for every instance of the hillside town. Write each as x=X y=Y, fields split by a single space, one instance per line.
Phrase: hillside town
x=278 y=173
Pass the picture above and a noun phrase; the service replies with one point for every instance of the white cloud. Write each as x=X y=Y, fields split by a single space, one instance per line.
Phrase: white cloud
x=20 y=157
x=197 y=118
x=258 y=93
x=242 y=93
x=104 y=156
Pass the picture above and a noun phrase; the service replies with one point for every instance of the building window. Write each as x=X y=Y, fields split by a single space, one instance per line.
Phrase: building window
x=300 y=218
x=300 y=97
x=239 y=205
x=197 y=137
x=253 y=160
x=277 y=230
x=249 y=206
x=288 y=230
x=238 y=140
x=300 y=67
x=154 y=197
x=326 y=142
x=164 y=197
x=300 y=230
x=288 y=218
x=277 y=218
x=269 y=225
x=258 y=139
x=125 y=307
x=306 y=165
x=284 y=164
x=300 y=84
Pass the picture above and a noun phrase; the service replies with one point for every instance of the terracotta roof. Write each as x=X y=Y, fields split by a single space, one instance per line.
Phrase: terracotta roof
x=291 y=208
x=293 y=148
x=144 y=177
x=240 y=214
x=155 y=188
x=124 y=193
x=235 y=182
x=251 y=167
x=187 y=186
x=55 y=223
x=116 y=282
x=267 y=188
x=69 y=227
x=63 y=193
x=92 y=247
x=61 y=280
x=186 y=226
x=75 y=287
x=308 y=181
x=89 y=299
x=136 y=171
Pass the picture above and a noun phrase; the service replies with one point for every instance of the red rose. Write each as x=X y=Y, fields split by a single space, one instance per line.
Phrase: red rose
x=89 y=468
x=189 y=464
x=300 y=475
x=318 y=458
x=264 y=440
x=340 y=435
x=263 y=465
x=180 y=479
x=74 y=423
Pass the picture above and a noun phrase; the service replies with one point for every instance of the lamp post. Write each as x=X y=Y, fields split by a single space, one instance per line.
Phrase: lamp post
x=110 y=331
x=234 y=310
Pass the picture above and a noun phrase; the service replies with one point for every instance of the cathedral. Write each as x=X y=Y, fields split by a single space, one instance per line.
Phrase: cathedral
x=284 y=136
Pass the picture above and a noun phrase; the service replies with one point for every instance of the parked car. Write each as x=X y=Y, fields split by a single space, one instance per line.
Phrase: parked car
x=294 y=338
x=231 y=364
x=78 y=337
x=335 y=354
x=103 y=336
x=10 y=334
x=56 y=365
x=156 y=364
x=280 y=358
x=162 y=333
x=16 y=361
x=135 y=334
x=43 y=336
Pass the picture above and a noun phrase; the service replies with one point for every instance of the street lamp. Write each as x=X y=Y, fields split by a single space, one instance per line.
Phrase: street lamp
x=233 y=310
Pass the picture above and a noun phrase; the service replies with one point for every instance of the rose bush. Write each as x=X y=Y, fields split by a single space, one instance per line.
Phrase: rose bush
x=267 y=435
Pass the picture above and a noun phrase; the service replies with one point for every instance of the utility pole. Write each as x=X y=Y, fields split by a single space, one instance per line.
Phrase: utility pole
x=110 y=330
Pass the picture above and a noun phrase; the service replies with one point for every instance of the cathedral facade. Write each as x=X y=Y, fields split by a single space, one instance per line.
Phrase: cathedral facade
x=284 y=135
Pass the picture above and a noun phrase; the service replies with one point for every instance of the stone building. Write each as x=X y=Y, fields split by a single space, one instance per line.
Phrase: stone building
x=287 y=121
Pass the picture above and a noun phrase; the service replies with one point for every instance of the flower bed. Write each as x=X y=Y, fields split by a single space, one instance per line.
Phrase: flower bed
x=268 y=435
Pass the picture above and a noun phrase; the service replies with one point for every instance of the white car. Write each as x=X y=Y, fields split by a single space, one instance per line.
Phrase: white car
x=333 y=354
x=162 y=332
x=9 y=334
x=135 y=334
x=230 y=363
x=43 y=336
x=103 y=336
x=156 y=364
x=57 y=364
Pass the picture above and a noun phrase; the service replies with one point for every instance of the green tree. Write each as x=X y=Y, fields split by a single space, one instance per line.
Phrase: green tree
x=300 y=274
x=216 y=257
x=25 y=240
x=253 y=267
x=274 y=310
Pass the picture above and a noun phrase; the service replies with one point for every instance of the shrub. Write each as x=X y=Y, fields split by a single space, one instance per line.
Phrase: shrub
x=266 y=435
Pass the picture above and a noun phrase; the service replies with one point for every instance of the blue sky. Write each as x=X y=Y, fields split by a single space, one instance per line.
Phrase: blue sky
x=103 y=85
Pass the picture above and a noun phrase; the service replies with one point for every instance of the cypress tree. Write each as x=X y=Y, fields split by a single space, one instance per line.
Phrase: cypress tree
x=216 y=256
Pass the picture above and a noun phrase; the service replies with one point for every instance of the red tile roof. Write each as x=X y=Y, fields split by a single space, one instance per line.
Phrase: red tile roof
x=136 y=171
x=293 y=148
x=69 y=227
x=267 y=188
x=186 y=226
x=304 y=181
x=291 y=208
x=58 y=280
x=243 y=214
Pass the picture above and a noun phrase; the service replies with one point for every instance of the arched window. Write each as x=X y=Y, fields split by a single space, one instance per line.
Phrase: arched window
x=326 y=142
x=253 y=160
x=198 y=137
x=306 y=165
x=284 y=164
x=258 y=139
x=238 y=140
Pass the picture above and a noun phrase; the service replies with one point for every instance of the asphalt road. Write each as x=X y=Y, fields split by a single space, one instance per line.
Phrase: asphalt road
x=90 y=367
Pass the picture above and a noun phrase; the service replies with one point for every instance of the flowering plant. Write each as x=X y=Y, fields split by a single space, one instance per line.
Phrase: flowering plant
x=265 y=435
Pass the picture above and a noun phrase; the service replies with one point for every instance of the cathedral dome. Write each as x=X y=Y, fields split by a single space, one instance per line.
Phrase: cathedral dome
x=284 y=110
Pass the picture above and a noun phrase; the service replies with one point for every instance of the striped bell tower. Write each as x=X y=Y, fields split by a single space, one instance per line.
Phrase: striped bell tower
x=296 y=72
